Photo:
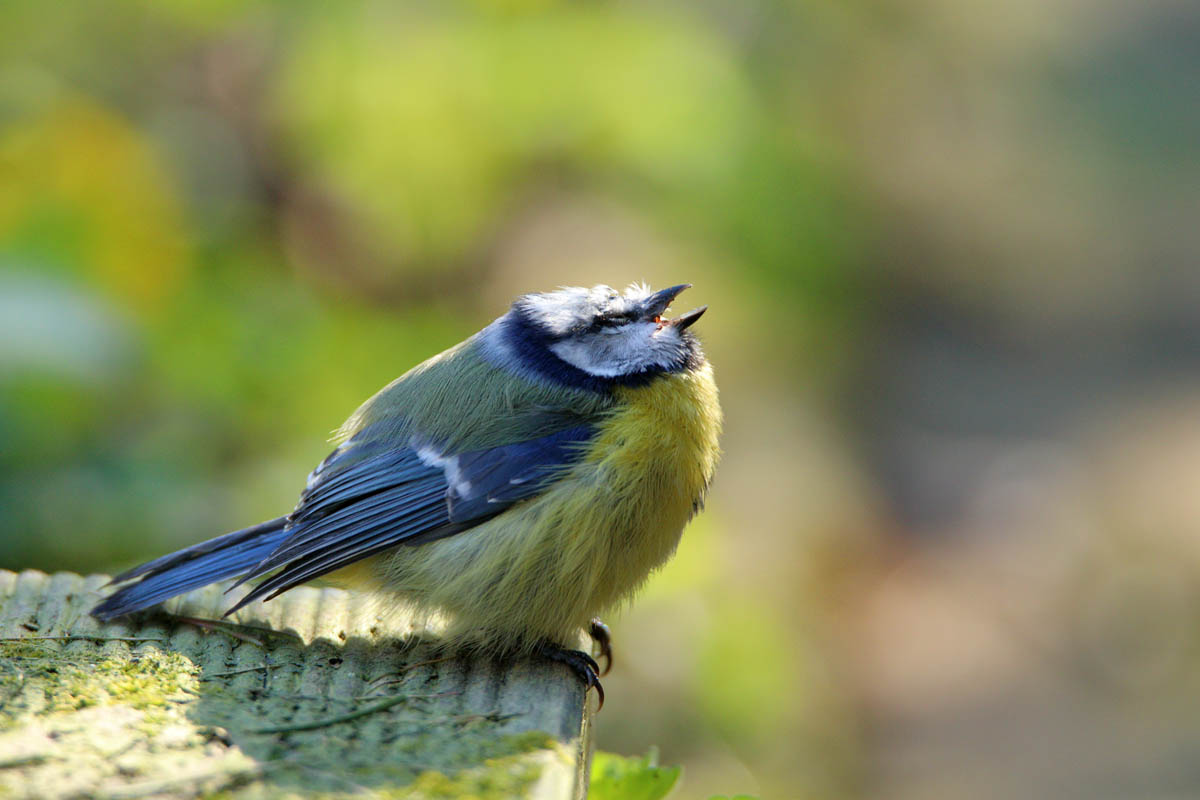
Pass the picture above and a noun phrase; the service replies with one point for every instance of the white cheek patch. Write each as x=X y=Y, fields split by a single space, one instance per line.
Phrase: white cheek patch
x=632 y=348
x=449 y=466
x=585 y=356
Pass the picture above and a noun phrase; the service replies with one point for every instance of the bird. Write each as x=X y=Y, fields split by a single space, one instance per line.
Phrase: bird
x=518 y=484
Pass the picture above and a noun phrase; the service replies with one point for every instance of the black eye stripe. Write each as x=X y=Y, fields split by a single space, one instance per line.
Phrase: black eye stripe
x=613 y=320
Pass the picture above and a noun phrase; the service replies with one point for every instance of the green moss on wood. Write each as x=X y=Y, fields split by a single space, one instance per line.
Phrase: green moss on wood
x=38 y=679
x=156 y=707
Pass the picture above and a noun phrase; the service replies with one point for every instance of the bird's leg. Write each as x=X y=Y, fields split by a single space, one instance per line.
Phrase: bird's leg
x=602 y=637
x=583 y=665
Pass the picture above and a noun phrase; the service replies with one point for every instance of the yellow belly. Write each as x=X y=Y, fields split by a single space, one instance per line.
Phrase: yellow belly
x=544 y=568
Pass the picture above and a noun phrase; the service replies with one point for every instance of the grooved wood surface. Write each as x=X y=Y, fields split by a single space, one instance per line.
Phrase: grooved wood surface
x=311 y=694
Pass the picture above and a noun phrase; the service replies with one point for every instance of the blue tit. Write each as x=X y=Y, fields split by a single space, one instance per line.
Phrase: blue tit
x=515 y=485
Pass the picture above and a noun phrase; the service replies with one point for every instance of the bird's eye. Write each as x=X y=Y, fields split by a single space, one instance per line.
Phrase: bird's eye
x=613 y=320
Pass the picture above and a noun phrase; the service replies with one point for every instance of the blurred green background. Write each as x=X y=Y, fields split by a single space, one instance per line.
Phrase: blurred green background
x=951 y=252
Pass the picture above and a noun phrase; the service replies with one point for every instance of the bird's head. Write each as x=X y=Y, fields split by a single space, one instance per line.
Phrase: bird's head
x=609 y=336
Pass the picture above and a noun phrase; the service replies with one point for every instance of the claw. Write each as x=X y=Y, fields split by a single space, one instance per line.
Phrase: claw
x=603 y=638
x=583 y=665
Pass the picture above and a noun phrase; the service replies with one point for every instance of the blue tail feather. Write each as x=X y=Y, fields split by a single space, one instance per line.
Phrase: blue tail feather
x=216 y=559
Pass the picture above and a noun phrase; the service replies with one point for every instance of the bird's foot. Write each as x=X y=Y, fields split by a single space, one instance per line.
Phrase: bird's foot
x=583 y=665
x=602 y=637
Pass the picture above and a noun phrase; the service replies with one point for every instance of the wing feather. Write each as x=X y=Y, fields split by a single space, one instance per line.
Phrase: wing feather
x=356 y=507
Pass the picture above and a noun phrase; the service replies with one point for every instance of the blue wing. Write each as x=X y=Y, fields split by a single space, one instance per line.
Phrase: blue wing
x=355 y=507
x=364 y=498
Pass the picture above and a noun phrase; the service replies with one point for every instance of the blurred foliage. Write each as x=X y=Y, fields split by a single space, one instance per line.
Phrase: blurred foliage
x=617 y=777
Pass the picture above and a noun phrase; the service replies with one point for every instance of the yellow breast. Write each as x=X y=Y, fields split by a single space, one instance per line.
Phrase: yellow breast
x=547 y=566
x=653 y=462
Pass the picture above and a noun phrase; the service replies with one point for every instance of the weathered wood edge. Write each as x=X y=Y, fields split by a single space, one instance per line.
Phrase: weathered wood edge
x=329 y=648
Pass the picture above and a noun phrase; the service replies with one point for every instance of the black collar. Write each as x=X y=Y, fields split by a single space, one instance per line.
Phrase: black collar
x=530 y=344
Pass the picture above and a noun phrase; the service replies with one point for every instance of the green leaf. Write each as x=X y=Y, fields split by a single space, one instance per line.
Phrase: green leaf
x=617 y=777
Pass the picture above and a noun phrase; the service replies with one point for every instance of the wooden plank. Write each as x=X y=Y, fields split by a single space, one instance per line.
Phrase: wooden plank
x=310 y=694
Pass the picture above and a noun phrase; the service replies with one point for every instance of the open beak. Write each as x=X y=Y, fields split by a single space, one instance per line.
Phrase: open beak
x=658 y=302
x=687 y=319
